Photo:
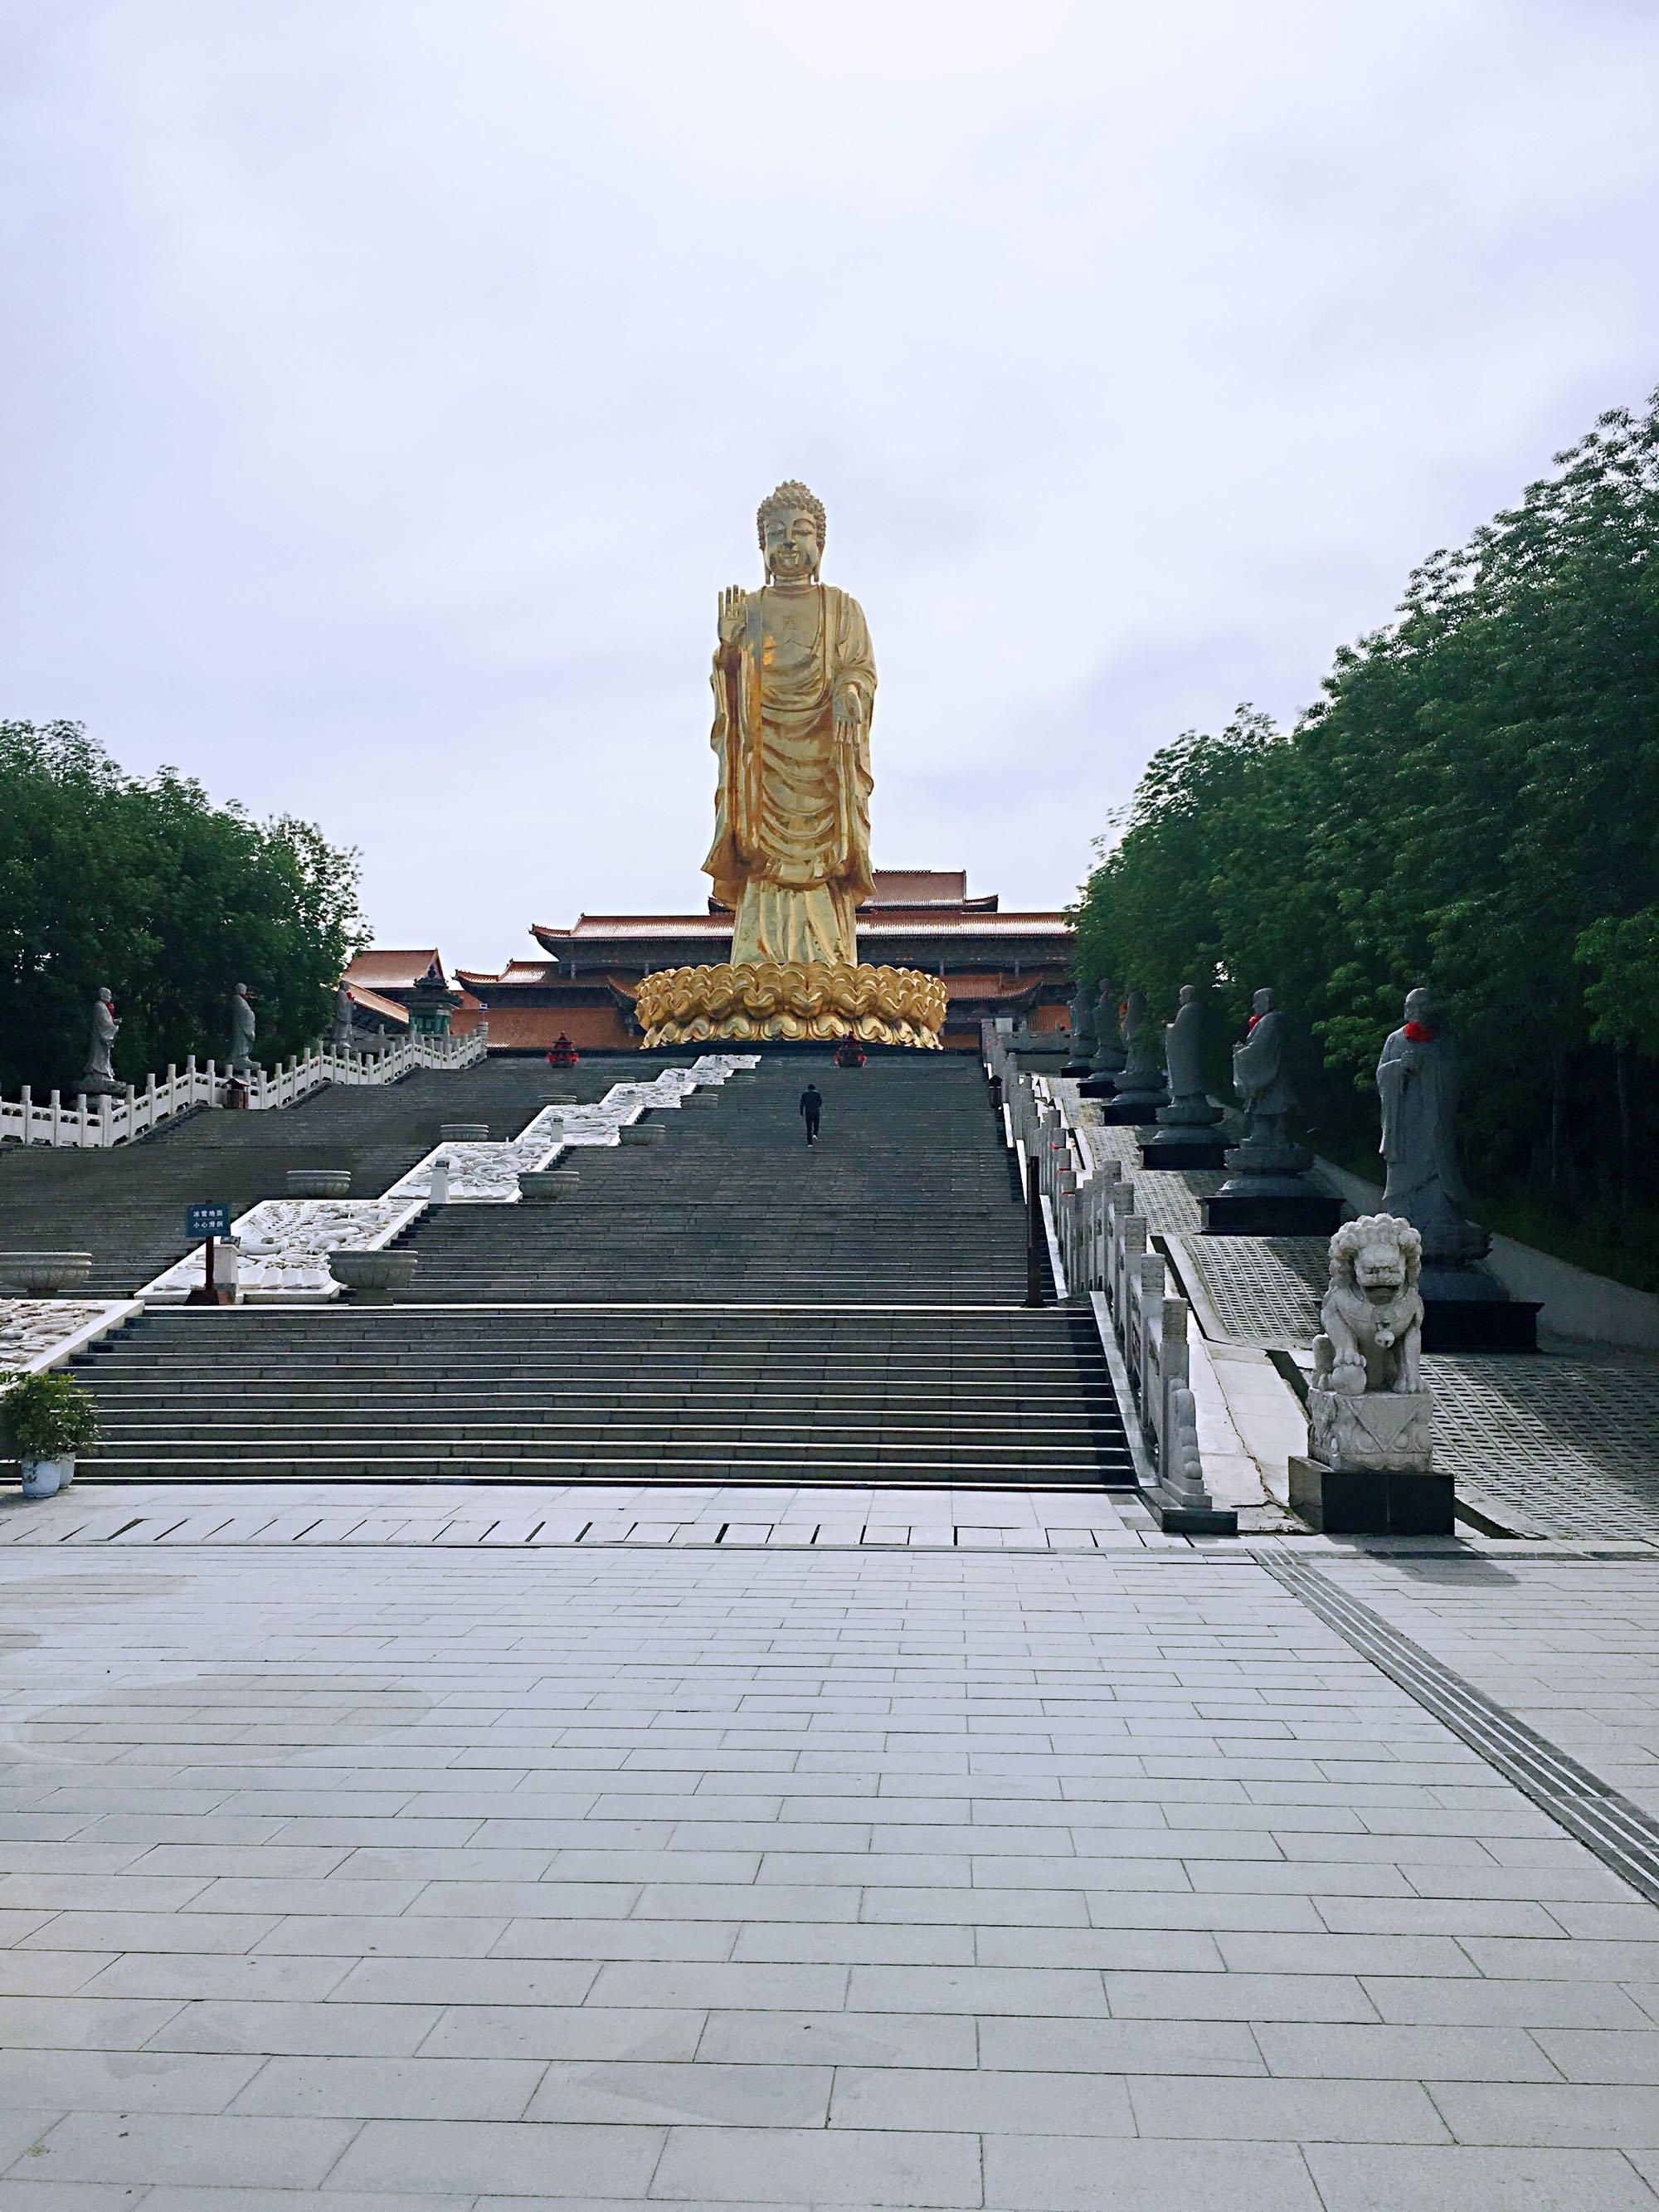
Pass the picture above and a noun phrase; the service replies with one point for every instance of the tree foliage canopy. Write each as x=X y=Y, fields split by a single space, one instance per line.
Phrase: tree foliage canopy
x=144 y=884
x=1473 y=803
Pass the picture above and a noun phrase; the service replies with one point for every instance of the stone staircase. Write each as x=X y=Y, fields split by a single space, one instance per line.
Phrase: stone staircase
x=404 y=1392
x=728 y=1306
x=126 y=1206
x=904 y=1198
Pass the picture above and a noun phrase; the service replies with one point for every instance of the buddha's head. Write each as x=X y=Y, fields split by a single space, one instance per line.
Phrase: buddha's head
x=1262 y=1003
x=1420 y=1005
x=791 y=527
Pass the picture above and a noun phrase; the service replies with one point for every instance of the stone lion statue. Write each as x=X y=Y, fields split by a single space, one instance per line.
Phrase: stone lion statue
x=1373 y=1311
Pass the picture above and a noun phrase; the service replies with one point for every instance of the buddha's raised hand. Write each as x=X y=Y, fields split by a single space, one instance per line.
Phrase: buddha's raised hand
x=733 y=614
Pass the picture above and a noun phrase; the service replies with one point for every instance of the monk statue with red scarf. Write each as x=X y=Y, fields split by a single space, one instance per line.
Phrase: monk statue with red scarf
x=1417 y=1077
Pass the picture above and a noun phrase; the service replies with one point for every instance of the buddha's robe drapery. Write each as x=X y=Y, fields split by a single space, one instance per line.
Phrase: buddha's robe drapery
x=791 y=854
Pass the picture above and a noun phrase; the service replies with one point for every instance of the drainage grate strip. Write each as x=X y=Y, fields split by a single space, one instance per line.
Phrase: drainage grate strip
x=1621 y=1835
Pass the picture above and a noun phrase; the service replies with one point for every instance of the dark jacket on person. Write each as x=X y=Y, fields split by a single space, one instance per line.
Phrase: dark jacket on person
x=811 y=1102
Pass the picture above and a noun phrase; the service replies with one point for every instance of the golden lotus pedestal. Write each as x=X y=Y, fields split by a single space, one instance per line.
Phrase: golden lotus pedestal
x=794 y=1002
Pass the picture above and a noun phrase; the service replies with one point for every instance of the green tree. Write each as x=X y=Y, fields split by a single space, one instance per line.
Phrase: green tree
x=1473 y=803
x=144 y=884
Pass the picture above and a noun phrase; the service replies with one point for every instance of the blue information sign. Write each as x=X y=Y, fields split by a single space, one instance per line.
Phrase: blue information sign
x=207 y=1221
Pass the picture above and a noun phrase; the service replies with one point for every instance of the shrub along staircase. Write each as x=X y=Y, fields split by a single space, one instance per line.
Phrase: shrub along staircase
x=728 y=1306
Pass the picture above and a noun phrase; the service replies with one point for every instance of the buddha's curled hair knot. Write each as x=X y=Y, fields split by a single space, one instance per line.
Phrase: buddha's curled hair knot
x=787 y=498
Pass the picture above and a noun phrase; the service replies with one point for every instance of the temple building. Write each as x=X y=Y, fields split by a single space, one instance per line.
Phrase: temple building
x=1017 y=964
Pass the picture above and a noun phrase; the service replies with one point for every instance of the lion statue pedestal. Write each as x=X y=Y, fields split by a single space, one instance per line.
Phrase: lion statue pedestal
x=1370 y=1447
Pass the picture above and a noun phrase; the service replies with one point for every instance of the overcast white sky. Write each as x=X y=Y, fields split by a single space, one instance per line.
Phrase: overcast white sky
x=389 y=388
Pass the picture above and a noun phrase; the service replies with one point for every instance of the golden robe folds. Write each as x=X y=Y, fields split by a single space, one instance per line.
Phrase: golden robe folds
x=791 y=855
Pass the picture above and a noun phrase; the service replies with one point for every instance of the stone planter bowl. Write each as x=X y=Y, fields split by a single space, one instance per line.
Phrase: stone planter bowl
x=374 y=1274
x=464 y=1132
x=43 y=1274
x=708 y=1098
x=566 y=1097
x=318 y=1182
x=45 y=1478
x=642 y=1133
x=546 y=1186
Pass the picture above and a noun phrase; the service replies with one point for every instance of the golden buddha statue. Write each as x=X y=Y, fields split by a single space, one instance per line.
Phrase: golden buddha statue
x=794 y=683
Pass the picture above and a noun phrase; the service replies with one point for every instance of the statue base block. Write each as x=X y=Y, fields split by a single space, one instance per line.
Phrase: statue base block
x=792 y=1002
x=1365 y=1431
x=1100 y=1084
x=1277 y=1207
x=1377 y=1501
x=1495 y=1323
x=1183 y=1148
x=1129 y=1108
x=1078 y=1067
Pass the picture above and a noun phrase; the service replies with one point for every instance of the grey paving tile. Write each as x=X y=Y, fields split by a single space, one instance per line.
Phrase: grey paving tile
x=738 y=2096
x=20 y=2131
x=821 y=2166
x=1579 y=1958
x=728 y=1901
x=121 y=2081
x=1328 y=2052
x=1231 y=2110
x=1597 y=2054
x=1052 y=2174
x=1411 y=2001
x=171 y=2199
x=1118 y=2046
x=315 y=1935
x=880 y=1945
x=1436 y=1915
x=398 y=2088
x=203 y=1932
x=1438 y=1955
x=345 y=2030
x=1362 y=2178
x=211 y=2150
x=1584 y=2115
x=79 y=2023
x=49 y=1973
x=982 y=2100
x=468 y=1981
x=785 y=1988
x=252 y=1975
x=506 y=2158
x=662 y=1940
x=1167 y=1950
x=838 y=2039
x=1238 y=1996
x=1041 y=1991
x=546 y=2031
x=72 y=2196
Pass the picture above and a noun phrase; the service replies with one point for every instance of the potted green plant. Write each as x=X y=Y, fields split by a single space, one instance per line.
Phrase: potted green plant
x=46 y=1419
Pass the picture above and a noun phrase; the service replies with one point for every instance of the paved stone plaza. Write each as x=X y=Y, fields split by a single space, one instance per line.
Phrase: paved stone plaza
x=393 y=1877
x=508 y=1748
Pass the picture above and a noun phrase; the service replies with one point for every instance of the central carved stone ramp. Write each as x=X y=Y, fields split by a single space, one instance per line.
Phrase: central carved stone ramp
x=405 y=1392
x=726 y=1306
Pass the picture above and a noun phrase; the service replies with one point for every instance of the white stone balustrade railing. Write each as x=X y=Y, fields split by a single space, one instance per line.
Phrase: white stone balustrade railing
x=1102 y=1244
x=89 y=1124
